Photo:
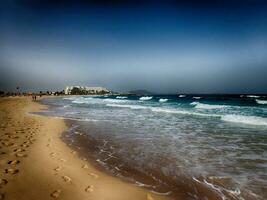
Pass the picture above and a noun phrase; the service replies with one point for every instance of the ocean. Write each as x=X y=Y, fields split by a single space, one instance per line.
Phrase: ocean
x=186 y=146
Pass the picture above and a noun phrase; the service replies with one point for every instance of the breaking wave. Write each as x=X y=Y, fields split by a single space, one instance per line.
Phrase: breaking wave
x=134 y=107
x=121 y=97
x=252 y=120
x=82 y=100
x=162 y=110
x=261 y=101
x=145 y=98
x=207 y=106
x=183 y=112
x=253 y=96
x=163 y=100
x=115 y=100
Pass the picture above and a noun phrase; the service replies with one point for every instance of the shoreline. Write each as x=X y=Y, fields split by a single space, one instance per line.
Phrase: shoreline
x=47 y=168
x=88 y=148
x=101 y=140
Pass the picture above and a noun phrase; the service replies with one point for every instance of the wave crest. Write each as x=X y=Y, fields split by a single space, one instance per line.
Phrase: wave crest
x=261 y=101
x=146 y=98
x=81 y=100
x=163 y=100
x=134 y=107
x=207 y=106
x=183 y=112
x=252 y=120
x=115 y=100
x=121 y=97
x=253 y=96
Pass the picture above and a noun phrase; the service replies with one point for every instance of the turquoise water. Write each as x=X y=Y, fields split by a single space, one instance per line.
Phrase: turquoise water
x=192 y=142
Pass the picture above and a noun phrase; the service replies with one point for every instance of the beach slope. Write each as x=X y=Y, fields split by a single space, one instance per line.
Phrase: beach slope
x=36 y=164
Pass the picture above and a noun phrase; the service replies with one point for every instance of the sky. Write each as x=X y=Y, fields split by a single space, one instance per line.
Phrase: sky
x=166 y=46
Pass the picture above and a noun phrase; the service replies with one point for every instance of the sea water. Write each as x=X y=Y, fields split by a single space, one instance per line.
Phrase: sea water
x=195 y=146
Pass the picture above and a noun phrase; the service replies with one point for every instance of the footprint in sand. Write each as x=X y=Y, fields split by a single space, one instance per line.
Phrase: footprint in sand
x=52 y=154
x=13 y=162
x=8 y=144
x=149 y=197
x=3 y=182
x=19 y=150
x=89 y=188
x=93 y=175
x=62 y=160
x=32 y=140
x=56 y=194
x=73 y=152
x=66 y=178
x=24 y=145
x=13 y=137
x=21 y=155
x=11 y=171
x=58 y=168
x=26 y=142
x=85 y=166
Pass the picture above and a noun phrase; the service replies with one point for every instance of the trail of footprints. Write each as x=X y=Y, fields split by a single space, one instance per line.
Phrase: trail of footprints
x=16 y=137
x=56 y=193
x=14 y=143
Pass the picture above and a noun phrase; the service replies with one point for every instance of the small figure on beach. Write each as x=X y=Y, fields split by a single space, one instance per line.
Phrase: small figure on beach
x=34 y=97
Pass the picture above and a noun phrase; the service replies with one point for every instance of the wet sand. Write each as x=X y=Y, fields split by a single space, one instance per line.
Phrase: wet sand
x=36 y=164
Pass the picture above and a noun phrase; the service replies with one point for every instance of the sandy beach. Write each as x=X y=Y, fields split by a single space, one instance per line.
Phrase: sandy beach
x=37 y=164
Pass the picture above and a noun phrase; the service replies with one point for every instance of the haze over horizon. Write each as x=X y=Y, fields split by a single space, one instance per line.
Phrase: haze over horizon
x=160 y=46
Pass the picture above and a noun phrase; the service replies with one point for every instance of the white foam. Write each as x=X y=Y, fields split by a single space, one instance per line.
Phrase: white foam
x=145 y=98
x=207 y=106
x=182 y=95
x=115 y=100
x=261 y=101
x=134 y=107
x=81 y=100
x=76 y=119
x=251 y=120
x=183 y=112
x=71 y=98
x=162 y=110
x=163 y=100
x=253 y=96
x=121 y=97
x=197 y=97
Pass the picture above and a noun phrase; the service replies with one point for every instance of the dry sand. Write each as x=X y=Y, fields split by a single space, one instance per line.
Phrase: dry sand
x=36 y=164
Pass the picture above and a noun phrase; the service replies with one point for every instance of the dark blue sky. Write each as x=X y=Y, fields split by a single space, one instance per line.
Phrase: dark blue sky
x=162 y=46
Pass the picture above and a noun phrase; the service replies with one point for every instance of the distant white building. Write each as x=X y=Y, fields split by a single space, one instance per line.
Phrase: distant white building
x=89 y=90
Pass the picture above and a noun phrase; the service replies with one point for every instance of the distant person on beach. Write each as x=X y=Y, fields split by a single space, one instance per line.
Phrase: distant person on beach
x=34 y=97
